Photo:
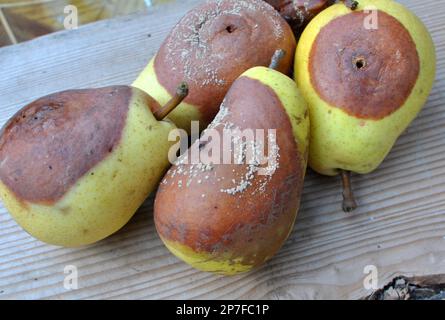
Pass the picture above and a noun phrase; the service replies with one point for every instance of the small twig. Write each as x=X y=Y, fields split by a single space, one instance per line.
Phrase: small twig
x=276 y=59
x=349 y=203
x=351 y=4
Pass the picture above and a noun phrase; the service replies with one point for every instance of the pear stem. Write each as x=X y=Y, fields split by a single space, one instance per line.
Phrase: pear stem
x=276 y=59
x=349 y=203
x=181 y=92
x=351 y=4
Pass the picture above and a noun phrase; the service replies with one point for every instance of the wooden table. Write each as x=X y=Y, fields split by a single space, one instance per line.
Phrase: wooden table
x=399 y=227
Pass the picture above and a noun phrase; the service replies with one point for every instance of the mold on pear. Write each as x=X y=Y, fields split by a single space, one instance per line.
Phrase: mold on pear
x=229 y=218
x=210 y=47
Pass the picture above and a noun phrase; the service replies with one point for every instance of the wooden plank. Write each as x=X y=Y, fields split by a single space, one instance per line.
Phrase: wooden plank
x=399 y=228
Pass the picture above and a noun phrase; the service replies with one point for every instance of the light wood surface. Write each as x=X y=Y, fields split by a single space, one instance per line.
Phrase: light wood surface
x=399 y=227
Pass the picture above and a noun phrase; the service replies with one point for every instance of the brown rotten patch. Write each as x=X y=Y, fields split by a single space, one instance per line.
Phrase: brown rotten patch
x=52 y=142
x=298 y=13
x=215 y=43
x=229 y=209
x=367 y=73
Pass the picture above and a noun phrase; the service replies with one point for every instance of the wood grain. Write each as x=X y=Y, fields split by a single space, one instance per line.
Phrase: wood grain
x=400 y=226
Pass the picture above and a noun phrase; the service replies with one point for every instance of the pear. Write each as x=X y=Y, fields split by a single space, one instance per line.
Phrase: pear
x=76 y=165
x=219 y=208
x=298 y=13
x=365 y=73
x=209 y=48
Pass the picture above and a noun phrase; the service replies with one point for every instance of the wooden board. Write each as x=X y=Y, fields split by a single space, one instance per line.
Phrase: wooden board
x=399 y=228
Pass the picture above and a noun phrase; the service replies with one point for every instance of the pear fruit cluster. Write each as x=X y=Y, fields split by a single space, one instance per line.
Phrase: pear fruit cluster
x=76 y=165
x=210 y=47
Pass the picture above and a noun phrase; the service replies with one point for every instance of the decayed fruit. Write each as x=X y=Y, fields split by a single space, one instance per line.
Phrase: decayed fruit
x=365 y=76
x=229 y=216
x=209 y=48
x=76 y=165
x=298 y=13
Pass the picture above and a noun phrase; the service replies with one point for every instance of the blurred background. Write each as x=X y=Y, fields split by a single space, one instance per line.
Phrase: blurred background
x=22 y=20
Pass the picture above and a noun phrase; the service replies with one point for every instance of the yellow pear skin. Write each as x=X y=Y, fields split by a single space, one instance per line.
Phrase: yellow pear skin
x=183 y=114
x=76 y=165
x=363 y=86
